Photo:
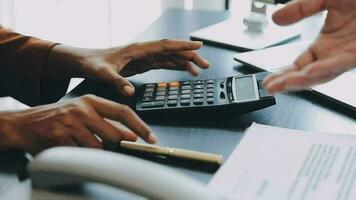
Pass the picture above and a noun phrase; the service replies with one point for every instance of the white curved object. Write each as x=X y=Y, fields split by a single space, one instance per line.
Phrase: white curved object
x=67 y=165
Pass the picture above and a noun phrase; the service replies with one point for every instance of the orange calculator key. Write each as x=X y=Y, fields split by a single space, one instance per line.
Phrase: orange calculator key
x=162 y=84
x=174 y=84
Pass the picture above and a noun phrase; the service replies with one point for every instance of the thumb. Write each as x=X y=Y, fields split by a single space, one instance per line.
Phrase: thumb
x=122 y=84
x=297 y=10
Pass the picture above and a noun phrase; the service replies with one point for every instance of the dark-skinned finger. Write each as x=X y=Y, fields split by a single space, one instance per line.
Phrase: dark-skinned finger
x=85 y=138
x=58 y=137
x=143 y=50
x=177 y=63
x=127 y=134
x=106 y=131
x=167 y=65
x=123 y=114
x=194 y=57
x=185 y=65
x=122 y=84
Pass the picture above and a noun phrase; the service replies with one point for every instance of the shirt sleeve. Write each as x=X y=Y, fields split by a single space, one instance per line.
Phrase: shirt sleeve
x=22 y=62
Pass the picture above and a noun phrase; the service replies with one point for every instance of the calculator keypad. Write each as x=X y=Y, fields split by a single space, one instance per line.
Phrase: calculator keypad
x=183 y=93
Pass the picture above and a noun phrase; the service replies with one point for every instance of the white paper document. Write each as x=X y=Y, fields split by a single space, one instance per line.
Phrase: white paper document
x=281 y=164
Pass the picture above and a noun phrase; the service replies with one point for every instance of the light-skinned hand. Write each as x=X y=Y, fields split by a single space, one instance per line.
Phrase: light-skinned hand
x=333 y=52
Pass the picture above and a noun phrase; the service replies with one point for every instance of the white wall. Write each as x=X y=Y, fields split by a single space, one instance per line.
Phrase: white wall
x=84 y=23
x=90 y=23
x=167 y=4
x=209 y=4
x=194 y=4
x=6 y=12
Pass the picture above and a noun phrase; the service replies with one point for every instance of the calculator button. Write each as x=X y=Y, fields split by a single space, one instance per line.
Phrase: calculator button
x=173 y=92
x=158 y=103
x=198 y=96
x=186 y=87
x=153 y=104
x=146 y=99
x=210 y=94
x=160 y=93
x=196 y=91
x=160 y=98
x=173 y=97
x=172 y=102
x=198 y=82
x=198 y=86
x=147 y=105
x=222 y=85
x=210 y=90
x=149 y=94
x=185 y=96
x=173 y=88
x=210 y=100
x=150 y=85
x=149 y=90
x=210 y=81
x=160 y=89
x=210 y=86
x=222 y=95
x=185 y=102
x=198 y=101
x=162 y=84
x=174 y=84
x=185 y=82
x=186 y=91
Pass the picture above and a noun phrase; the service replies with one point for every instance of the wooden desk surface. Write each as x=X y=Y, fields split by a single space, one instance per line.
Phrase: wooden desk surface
x=303 y=111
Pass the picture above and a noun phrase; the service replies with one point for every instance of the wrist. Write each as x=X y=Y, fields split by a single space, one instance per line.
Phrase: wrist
x=64 y=62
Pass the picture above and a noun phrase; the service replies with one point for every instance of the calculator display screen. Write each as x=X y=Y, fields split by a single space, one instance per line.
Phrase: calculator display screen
x=244 y=88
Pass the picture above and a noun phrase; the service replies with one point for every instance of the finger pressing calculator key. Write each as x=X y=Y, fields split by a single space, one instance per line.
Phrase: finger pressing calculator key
x=236 y=94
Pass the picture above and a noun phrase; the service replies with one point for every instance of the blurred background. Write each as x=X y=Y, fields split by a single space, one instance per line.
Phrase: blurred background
x=93 y=23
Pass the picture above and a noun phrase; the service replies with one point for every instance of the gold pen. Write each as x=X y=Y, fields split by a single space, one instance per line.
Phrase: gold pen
x=173 y=152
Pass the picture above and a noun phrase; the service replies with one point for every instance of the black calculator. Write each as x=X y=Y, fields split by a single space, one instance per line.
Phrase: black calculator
x=237 y=94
